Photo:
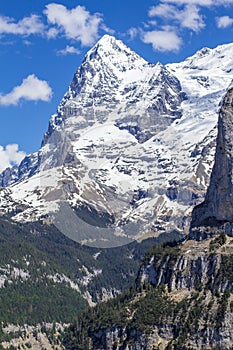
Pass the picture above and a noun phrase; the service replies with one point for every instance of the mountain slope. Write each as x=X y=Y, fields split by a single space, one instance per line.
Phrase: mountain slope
x=129 y=151
x=44 y=276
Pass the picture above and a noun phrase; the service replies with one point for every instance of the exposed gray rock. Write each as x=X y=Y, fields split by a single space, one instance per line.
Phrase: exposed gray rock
x=27 y=168
x=217 y=208
x=187 y=271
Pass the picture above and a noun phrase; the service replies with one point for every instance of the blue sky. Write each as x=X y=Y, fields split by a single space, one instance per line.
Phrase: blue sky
x=42 y=43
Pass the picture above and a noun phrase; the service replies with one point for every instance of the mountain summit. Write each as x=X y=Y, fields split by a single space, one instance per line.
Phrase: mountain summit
x=113 y=51
x=130 y=149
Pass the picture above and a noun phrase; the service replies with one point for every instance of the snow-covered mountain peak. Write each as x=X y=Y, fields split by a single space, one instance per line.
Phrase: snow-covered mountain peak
x=113 y=51
x=115 y=85
x=220 y=57
x=130 y=147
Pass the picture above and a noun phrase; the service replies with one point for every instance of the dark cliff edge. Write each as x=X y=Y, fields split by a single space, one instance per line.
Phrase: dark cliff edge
x=216 y=212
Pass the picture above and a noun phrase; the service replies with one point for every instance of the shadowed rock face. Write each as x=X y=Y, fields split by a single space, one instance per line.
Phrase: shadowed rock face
x=217 y=208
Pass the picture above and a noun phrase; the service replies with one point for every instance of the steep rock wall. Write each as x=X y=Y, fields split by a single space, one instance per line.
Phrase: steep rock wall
x=217 y=208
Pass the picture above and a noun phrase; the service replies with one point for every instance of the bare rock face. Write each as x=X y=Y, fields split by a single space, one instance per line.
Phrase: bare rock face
x=217 y=209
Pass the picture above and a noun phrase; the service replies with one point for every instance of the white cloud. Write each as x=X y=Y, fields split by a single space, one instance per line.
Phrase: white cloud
x=224 y=21
x=174 y=16
x=162 y=40
x=163 y=10
x=52 y=33
x=191 y=19
x=133 y=32
x=188 y=17
x=77 y=23
x=69 y=50
x=190 y=2
x=10 y=156
x=26 y=26
x=27 y=42
x=106 y=29
x=31 y=89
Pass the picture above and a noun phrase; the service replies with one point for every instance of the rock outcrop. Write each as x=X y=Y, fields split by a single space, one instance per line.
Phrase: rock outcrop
x=192 y=267
x=183 y=300
x=217 y=209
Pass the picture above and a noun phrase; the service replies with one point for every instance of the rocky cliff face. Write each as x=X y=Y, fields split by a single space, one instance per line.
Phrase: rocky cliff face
x=218 y=205
x=194 y=266
x=183 y=300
